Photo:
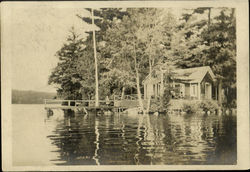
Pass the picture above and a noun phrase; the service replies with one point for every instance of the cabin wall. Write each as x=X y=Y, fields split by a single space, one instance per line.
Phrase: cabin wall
x=207 y=79
x=149 y=90
x=194 y=91
x=206 y=89
x=187 y=91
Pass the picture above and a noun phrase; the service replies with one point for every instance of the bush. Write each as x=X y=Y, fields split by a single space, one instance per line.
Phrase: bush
x=205 y=105
x=165 y=99
x=190 y=107
x=155 y=105
x=208 y=105
x=161 y=104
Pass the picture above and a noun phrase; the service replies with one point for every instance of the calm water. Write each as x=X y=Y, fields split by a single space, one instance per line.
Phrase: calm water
x=120 y=139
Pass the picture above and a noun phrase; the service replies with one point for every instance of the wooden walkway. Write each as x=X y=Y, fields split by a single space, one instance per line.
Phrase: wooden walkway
x=81 y=105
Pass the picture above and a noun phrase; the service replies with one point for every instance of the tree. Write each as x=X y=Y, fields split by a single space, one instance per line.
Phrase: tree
x=142 y=37
x=187 y=45
x=199 y=44
x=103 y=18
x=65 y=75
x=123 y=46
x=221 y=55
x=154 y=31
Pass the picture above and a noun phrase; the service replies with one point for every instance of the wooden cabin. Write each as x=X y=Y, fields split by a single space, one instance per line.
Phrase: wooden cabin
x=192 y=83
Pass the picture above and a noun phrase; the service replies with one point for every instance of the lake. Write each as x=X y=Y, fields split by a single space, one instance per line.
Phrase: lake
x=120 y=139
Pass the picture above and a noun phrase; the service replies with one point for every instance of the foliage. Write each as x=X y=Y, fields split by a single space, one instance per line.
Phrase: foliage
x=65 y=74
x=208 y=105
x=196 y=107
x=162 y=103
x=108 y=83
x=211 y=42
x=221 y=55
x=74 y=74
x=155 y=106
x=165 y=99
x=190 y=107
x=137 y=42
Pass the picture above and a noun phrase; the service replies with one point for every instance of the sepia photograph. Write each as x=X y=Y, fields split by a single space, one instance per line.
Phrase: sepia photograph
x=127 y=85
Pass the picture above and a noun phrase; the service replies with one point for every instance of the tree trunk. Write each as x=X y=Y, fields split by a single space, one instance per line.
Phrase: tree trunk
x=138 y=89
x=150 y=95
x=162 y=88
x=123 y=91
x=209 y=17
x=96 y=70
x=138 y=81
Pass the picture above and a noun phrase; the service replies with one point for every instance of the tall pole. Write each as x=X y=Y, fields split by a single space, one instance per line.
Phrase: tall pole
x=96 y=70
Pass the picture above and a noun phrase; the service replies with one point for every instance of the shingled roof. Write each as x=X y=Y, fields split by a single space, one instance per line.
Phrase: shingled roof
x=193 y=75
x=190 y=75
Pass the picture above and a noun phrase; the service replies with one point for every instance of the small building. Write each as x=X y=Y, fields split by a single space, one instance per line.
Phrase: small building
x=192 y=83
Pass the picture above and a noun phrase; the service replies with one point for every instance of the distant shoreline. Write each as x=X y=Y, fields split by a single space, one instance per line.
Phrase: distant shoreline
x=27 y=103
x=30 y=97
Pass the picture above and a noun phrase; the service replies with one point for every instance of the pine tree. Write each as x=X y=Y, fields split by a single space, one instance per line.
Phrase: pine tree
x=65 y=75
x=221 y=56
x=210 y=42
x=102 y=19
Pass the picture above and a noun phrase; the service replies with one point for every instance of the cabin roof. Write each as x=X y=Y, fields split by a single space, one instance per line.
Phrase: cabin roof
x=193 y=75
x=189 y=75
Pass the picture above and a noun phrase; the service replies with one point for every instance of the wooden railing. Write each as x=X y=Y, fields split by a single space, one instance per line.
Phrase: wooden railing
x=59 y=103
x=127 y=97
x=49 y=103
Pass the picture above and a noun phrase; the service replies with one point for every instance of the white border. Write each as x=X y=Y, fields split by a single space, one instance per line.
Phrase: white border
x=242 y=14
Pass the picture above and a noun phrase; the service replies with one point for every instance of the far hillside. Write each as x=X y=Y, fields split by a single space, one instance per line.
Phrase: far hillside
x=30 y=97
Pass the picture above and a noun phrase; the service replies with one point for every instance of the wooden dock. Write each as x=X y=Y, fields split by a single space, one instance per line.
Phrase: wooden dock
x=78 y=105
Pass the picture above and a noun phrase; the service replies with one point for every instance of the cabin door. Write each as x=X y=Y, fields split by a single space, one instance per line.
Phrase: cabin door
x=208 y=91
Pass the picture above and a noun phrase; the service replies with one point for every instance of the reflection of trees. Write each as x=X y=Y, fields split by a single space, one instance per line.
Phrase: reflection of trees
x=74 y=140
x=120 y=139
x=188 y=134
x=155 y=138
x=201 y=139
x=225 y=141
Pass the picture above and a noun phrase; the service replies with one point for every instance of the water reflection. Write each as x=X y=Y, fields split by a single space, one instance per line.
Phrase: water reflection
x=123 y=139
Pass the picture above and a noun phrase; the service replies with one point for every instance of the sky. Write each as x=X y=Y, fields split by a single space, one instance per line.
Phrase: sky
x=37 y=33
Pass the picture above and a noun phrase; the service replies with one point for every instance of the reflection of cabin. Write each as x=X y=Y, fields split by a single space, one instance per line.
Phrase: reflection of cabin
x=192 y=83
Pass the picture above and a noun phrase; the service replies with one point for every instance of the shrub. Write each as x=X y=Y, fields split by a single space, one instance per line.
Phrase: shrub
x=204 y=105
x=190 y=107
x=155 y=105
x=208 y=105
x=165 y=99
x=161 y=104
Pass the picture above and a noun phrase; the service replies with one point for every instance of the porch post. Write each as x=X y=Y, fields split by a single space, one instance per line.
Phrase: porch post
x=161 y=85
x=210 y=90
x=216 y=89
x=190 y=95
x=219 y=92
x=157 y=90
x=199 y=91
